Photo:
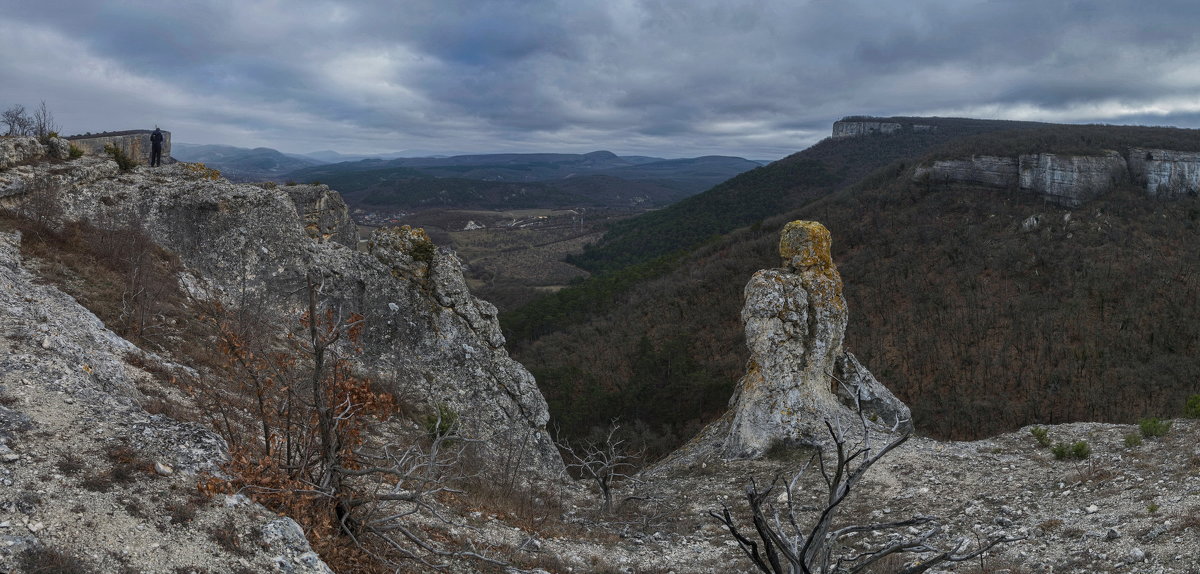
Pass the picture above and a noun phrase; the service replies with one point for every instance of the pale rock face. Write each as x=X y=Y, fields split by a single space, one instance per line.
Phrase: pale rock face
x=1071 y=179
x=324 y=215
x=1166 y=172
x=849 y=129
x=78 y=394
x=58 y=148
x=1064 y=179
x=799 y=375
x=989 y=170
x=14 y=151
x=426 y=337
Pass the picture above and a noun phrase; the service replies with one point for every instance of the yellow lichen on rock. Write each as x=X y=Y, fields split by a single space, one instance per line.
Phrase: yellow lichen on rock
x=805 y=244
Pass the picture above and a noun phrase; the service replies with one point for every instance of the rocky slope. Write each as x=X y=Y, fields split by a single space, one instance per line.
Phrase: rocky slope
x=255 y=248
x=90 y=476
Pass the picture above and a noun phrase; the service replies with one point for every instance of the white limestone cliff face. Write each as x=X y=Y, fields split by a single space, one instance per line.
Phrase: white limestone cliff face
x=323 y=213
x=854 y=128
x=1064 y=179
x=989 y=170
x=1166 y=173
x=799 y=374
x=1071 y=179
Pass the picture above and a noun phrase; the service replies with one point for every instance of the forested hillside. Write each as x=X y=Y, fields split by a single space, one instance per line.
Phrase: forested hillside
x=983 y=309
x=774 y=189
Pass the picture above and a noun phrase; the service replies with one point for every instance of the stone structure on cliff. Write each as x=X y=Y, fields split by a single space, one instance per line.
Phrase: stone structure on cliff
x=135 y=144
x=799 y=374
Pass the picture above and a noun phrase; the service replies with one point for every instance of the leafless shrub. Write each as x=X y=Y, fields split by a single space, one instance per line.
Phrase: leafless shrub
x=43 y=123
x=781 y=544
x=226 y=536
x=301 y=444
x=604 y=462
x=70 y=464
x=43 y=560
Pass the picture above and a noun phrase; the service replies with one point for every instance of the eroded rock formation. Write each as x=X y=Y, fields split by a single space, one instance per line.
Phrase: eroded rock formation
x=989 y=170
x=70 y=395
x=255 y=247
x=1064 y=179
x=799 y=374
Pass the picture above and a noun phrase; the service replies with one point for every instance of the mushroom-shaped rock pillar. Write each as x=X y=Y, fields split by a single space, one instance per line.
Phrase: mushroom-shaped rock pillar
x=799 y=375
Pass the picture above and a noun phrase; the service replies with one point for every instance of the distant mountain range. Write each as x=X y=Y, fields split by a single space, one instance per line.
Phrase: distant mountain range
x=505 y=181
x=490 y=181
x=243 y=164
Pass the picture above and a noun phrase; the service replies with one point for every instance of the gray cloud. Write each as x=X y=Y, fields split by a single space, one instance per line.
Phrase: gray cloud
x=757 y=78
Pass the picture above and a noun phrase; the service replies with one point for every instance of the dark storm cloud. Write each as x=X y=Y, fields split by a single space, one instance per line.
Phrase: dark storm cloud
x=758 y=78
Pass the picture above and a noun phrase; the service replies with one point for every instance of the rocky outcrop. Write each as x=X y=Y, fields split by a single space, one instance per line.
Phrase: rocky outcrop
x=1071 y=179
x=323 y=213
x=1064 y=179
x=1166 y=173
x=988 y=170
x=799 y=374
x=426 y=337
x=856 y=128
x=70 y=415
x=18 y=150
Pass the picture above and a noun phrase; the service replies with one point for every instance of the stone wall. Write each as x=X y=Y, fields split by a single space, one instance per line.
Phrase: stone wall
x=135 y=144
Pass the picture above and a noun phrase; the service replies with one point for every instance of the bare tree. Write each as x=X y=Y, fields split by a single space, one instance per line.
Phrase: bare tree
x=306 y=445
x=19 y=123
x=603 y=462
x=43 y=124
x=787 y=547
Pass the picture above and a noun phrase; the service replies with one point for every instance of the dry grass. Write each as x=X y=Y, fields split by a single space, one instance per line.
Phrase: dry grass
x=44 y=560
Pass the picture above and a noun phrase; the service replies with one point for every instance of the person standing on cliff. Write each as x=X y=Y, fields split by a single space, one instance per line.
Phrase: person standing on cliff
x=156 y=140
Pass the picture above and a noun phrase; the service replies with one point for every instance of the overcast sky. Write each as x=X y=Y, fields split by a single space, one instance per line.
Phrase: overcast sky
x=671 y=78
